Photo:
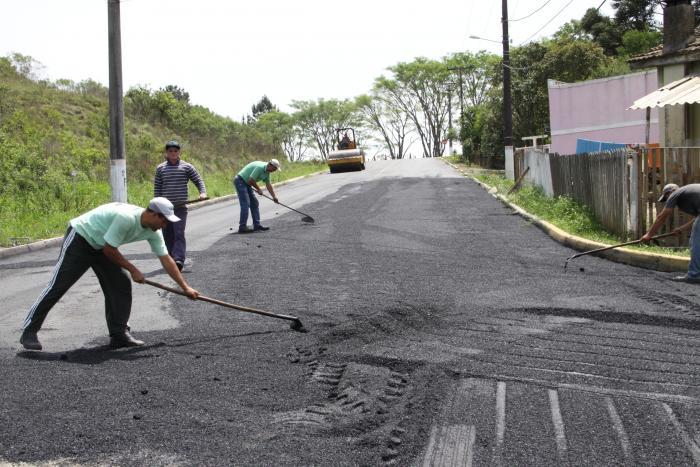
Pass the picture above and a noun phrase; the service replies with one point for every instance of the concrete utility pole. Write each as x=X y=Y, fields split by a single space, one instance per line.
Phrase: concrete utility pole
x=117 y=148
x=507 y=106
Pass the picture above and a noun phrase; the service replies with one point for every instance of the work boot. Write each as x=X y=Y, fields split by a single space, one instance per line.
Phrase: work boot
x=124 y=340
x=686 y=279
x=245 y=230
x=260 y=228
x=29 y=340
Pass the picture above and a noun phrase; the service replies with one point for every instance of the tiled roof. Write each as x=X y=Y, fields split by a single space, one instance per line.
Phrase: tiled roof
x=657 y=51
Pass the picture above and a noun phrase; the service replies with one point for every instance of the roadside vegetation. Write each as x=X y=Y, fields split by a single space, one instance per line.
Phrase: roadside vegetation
x=561 y=211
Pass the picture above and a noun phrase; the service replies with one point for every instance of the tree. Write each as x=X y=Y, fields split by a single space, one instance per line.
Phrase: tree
x=635 y=14
x=178 y=93
x=285 y=133
x=637 y=42
x=602 y=29
x=319 y=119
x=388 y=121
x=421 y=89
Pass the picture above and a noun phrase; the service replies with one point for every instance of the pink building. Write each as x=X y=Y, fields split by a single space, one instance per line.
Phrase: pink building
x=597 y=110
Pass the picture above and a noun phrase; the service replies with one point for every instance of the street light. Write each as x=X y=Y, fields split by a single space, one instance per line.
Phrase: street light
x=484 y=39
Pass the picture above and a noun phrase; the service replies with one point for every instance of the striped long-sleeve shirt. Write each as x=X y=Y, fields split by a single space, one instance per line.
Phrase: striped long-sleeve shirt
x=171 y=181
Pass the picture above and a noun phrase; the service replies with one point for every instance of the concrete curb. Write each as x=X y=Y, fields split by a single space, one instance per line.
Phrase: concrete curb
x=51 y=242
x=655 y=261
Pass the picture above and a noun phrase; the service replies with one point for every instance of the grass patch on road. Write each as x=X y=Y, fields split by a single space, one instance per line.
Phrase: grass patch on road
x=27 y=218
x=561 y=211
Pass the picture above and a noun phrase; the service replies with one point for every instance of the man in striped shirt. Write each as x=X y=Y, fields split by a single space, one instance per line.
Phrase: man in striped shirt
x=170 y=182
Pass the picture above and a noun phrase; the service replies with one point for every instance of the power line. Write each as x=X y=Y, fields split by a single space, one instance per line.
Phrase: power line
x=525 y=17
x=545 y=24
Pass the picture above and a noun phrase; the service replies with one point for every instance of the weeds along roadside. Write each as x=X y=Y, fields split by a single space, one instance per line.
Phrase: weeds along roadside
x=561 y=211
x=29 y=217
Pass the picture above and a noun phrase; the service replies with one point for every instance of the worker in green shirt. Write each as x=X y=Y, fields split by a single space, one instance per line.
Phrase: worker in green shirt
x=245 y=182
x=92 y=241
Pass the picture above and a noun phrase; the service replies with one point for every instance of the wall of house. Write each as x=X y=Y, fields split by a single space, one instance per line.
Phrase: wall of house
x=672 y=118
x=597 y=110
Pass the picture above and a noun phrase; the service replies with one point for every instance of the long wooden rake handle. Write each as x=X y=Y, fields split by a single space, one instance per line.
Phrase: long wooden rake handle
x=311 y=219
x=219 y=302
x=597 y=250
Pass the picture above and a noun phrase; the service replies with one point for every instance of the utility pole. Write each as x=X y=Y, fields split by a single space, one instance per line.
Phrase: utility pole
x=117 y=148
x=507 y=106
x=459 y=70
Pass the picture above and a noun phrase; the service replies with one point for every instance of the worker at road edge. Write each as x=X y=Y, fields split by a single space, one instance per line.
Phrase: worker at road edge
x=245 y=182
x=92 y=241
x=687 y=199
x=170 y=182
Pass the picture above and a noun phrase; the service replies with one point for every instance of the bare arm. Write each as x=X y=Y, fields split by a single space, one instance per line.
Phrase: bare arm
x=271 y=191
x=660 y=219
x=254 y=184
x=115 y=256
x=172 y=270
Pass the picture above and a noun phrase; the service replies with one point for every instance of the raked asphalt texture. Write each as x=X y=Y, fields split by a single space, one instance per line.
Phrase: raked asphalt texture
x=443 y=330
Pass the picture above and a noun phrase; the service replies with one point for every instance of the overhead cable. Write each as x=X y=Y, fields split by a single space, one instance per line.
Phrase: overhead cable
x=525 y=17
x=545 y=24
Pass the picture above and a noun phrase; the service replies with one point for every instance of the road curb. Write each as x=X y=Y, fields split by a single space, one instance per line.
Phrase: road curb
x=51 y=242
x=655 y=261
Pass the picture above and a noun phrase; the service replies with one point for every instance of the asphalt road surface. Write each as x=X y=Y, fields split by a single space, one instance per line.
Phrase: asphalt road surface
x=443 y=330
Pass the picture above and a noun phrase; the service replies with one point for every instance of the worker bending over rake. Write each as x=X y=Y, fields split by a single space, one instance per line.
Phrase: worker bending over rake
x=92 y=241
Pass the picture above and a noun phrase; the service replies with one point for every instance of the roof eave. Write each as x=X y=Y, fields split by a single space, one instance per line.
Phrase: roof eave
x=661 y=60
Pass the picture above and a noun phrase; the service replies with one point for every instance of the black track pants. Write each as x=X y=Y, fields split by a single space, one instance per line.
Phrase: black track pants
x=76 y=257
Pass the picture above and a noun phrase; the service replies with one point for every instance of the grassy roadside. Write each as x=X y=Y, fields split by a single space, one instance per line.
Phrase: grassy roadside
x=26 y=219
x=562 y=212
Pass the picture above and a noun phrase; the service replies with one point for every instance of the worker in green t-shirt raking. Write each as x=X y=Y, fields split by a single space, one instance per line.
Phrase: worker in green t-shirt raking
x=92 y=241
x=245 y=182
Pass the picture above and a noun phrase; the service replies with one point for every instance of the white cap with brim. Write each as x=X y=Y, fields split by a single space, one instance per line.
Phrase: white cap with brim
x=276 y=163
x=163 y=206
x=666 y=192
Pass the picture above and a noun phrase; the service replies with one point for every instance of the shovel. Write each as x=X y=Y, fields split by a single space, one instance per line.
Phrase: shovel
x=295 y=325
x=306 y=217
x=597 y=250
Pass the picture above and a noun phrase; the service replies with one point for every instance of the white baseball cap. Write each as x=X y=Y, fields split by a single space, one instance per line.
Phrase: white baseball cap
x=163 y=206
x=276 y=163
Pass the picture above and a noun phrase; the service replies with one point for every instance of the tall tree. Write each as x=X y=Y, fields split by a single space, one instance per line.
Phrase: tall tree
x=319 y=120
x=386 y=120
x=264 y=105
x=178 y=93
x=421 y=89
x=285 y=133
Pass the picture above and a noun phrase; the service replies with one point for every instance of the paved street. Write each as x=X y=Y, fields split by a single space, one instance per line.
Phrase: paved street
x=443 y=330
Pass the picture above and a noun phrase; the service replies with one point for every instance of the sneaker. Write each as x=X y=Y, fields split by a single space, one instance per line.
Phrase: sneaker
x=686 y=279
x=124 y=340
x=244 y=230
x=30 y=341
x=260 y=228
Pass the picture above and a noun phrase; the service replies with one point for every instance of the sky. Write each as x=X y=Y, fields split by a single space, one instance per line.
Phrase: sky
x=227 y=54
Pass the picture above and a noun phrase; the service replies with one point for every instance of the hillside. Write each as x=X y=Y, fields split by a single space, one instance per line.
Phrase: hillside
x=54 y=147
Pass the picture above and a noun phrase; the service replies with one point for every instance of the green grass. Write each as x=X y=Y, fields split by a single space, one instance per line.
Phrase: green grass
x=26 y=219
x=563 y=212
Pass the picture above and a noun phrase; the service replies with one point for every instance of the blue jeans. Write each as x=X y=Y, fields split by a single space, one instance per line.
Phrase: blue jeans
x=694 y=266
x=247 y=200
x=174 y=236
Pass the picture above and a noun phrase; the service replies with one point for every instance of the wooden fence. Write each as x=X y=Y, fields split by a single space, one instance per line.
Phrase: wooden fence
x=597 y=180
x=621 y=187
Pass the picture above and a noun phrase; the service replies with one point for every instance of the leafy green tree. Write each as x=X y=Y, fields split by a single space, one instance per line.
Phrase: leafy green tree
x=285 y=133
x=386 y=120
x=421 y=89
x=319 y=120
x=636 y=42
x=263 y=106
x=178 y=93
x=603 y=30
x=635 y=14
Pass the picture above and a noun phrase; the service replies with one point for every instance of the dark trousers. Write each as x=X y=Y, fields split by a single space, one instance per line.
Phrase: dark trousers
x=247 y=201
x=76 y=257
x=174 y=236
